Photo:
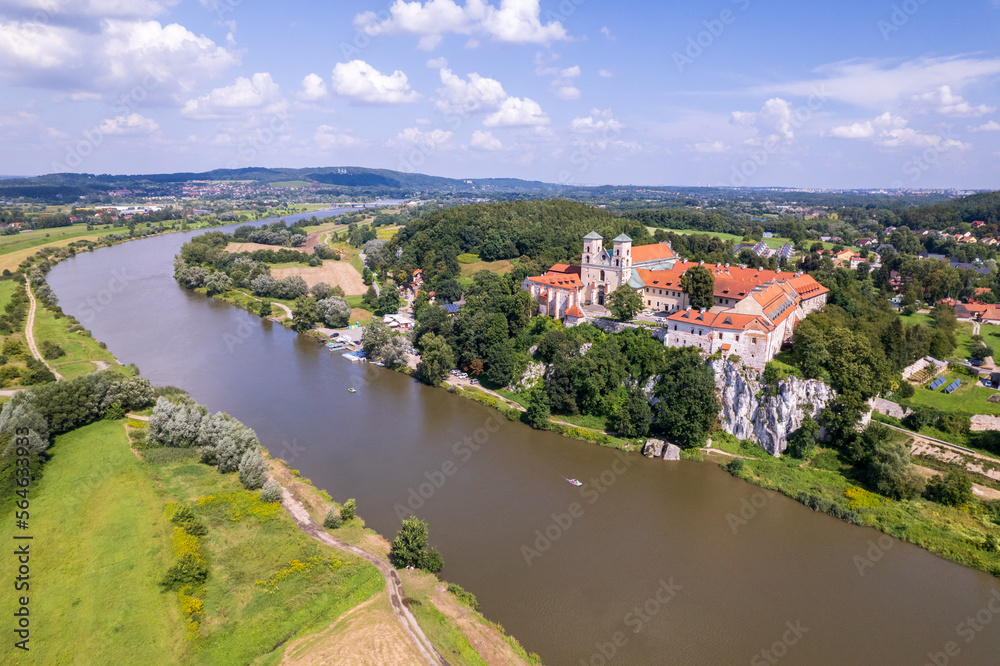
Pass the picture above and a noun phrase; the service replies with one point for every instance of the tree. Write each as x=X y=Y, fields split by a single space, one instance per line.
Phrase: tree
x=320 y=290
x=449 y=291
x=886 y=464
x=501 y=364
x=410 y=547
x=699 y=284
x=687 y=405
x=633 y=416
x=537 y=413
x=347 y=509
x=271 y=491
x=305 y=313
x=388 y=302
x=253 y=469
x=375 y=338
x=802 y=442
x=332 y=519
x=394 y=354
x=334 y=311
x=217 y=283
x=263 y=285
x=265 y=308
x=436 y=360
x=624 y=303
x=952 y=489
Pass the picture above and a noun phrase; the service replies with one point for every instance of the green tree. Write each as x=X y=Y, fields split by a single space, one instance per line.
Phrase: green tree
x=388 y=302
x=802 y=442
x=305 y=313
x=332 y=519
x=347 y=509
x=436 y=360
x=624 y=303
x=952 y=489
x=410 y=547
x=265 y=308
x=699 y=284
x=375 y=338
x=632 y=416
x=537 y=412
x=687 y=405
x=885 y=463
x=501 y=364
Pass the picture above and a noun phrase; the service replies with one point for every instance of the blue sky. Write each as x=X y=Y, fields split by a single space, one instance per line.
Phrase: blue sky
x=734 y=92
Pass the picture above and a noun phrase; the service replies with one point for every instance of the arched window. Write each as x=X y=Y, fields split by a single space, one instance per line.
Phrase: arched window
x=602 y=276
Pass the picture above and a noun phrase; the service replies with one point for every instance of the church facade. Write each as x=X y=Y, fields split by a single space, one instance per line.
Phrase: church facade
x=755 y=310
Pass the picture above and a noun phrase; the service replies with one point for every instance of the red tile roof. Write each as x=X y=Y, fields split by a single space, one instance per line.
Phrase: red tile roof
x=561 y=280
x=574 y=311
x=729 y=320
x=651 y=253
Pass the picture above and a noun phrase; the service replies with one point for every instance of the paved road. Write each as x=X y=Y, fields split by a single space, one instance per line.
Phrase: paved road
x=29 y=335
x=393 y=584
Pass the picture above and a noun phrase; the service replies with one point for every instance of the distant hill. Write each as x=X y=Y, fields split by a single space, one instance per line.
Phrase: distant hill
x=984 y=206
x=61 y=187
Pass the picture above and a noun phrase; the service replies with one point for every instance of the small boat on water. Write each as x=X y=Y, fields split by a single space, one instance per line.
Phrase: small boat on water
x=352 y=390
x=334 y=346
x=575 y=482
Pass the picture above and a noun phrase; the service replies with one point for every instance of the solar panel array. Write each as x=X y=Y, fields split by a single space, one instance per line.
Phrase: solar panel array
x=936 y=383
x=954 y=385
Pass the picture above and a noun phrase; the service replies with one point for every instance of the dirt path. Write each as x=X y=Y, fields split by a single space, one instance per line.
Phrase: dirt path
x=981 y=492
x=975 y=328
x=29 y=334
x=301 y=516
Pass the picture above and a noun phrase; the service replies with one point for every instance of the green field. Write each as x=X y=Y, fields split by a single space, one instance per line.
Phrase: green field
x=775 y=243
x=292 y=183
x=99 y=521
x=82 y=351
x=970 y=397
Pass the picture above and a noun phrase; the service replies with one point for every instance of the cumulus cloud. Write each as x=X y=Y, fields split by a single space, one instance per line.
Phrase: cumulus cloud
x=890 y=131
x=710 y=147
x=597 y=121
x=991 y=126
x=476 y=94
x=363 y=84
x=433 y=139
x=259 y=92
x=313 y=88
x=947 y=103
x=485 y=141
x=773 y=122
x=327 y=137
x=563 y=83
x=514 y=21
x=517 y=112
x=132 y=124
x=605 y=73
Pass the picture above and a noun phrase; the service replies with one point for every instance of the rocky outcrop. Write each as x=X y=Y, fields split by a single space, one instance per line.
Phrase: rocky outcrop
x=657 y=448
x=531 y=378
x=768 y=420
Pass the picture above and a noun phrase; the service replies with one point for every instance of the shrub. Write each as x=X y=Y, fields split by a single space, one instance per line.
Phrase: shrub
x=736 y=467
x=187 y=570
x=184 y=517
x=467 y=598
x=332 y=520
x=271 y=492
x=253 y=469
x=952 y=489
x=409 y=548
x=347 y=509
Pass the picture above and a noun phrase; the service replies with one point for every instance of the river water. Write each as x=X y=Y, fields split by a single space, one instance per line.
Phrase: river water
x=651 y=562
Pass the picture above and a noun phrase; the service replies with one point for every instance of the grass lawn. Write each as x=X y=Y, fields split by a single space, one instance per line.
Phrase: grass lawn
x=970 y=396
x=583 y=420
x=100 y=546
x=502 y=267
x=99 y=518
x=7 y=288
x=81 y=350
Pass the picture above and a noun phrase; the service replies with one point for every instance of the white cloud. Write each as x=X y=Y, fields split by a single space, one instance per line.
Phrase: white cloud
x=434 y=139
x=327 y=138
x=515 y=21
x=517 y=112
x=879 y=84
x=945 y=102
x=477 y=94
x=562 y=84
x=773 y=122
x=607 y=33
x=363 y=84
x=485 y=141
x=313 y=88
x=437 y=63
x=133 y=124
x=991 y=126
x=597 y=121
x=605 y=73
x=259 y=92
x=711 y=147
x=889 y=131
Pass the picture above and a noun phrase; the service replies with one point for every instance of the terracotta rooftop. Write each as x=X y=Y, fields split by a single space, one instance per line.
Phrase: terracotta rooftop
x=656 y=252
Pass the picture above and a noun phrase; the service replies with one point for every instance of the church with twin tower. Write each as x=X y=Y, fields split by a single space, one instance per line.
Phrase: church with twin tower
x=603 y=271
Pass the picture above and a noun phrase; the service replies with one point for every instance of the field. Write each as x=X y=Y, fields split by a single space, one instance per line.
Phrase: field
x=83 y=353
x=970 y=396
x=253 y=247
x=472 y=264
x=774 y=243
x=102 y=516
x=332 y=272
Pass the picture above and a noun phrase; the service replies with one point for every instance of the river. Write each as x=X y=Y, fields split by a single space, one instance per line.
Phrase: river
x=652 y=562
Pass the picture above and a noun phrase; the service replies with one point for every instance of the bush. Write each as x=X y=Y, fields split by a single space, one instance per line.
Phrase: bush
x=187 y=570
x=253 y=469
x=332 y=520
x=409 y=548
x=347 y=509
x=271 y=492
x=467 y=598
x=736 y=467
x=952 y=489
x=184 y=517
